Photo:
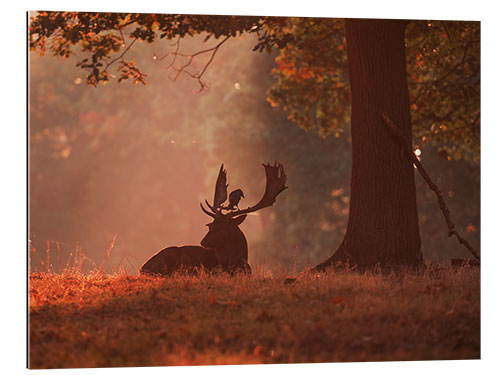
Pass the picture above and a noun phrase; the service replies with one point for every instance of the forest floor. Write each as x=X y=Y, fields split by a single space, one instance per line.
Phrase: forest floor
x=100 y=320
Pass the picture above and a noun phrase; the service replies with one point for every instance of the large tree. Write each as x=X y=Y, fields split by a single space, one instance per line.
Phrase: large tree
x=382 y=226
x=383 y=222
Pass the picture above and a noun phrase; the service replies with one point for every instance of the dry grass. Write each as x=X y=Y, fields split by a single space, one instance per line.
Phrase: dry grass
x=100 y=320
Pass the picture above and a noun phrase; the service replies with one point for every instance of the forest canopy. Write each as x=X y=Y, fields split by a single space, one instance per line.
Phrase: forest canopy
x=311 y=73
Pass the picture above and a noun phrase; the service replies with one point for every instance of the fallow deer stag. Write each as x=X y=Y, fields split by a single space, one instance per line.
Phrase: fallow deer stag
x=224 y=246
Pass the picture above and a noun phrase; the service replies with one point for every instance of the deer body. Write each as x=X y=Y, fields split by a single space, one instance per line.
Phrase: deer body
x=224 y=246
x=178 y=258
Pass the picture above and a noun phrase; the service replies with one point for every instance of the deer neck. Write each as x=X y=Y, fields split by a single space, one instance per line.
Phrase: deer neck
x=235 y=247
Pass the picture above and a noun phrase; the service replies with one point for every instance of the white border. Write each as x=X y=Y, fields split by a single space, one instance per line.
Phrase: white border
x=13 y=158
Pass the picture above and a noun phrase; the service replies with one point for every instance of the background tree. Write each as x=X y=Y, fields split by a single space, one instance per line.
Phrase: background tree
x=442 y=59
x=99 y=35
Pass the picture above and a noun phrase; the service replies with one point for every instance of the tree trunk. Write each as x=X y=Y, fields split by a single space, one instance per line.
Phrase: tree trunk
x=383 y=222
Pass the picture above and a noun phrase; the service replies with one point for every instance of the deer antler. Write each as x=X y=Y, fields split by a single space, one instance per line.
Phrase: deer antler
x=207 y=212
x=220 y=194
x=275 y=184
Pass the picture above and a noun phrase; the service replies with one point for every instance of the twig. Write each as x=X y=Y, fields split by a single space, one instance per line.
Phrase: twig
x=48 y=256
x=424 y=91
x=198 y=76
x=32 y=248
x=75 y=261
x=96 y=266
x=396 y=132
x=107 y=254
x=67 y=269
x=120 y=57
x=447 y=31
x=59 y=257
x=176 y=53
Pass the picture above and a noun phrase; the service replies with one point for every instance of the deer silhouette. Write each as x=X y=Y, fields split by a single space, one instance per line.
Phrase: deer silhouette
x=224 y=247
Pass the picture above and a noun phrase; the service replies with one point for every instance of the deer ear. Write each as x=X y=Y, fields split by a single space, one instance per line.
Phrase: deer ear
x=239 y=219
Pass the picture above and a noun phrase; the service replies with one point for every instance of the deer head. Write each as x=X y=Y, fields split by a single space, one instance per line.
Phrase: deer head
x=224 y=234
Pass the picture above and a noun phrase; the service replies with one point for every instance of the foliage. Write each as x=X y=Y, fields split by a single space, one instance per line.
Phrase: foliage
x=312 y=82
x=102 y=34
x=444 y=82
x=443 y=77
x=117 y=320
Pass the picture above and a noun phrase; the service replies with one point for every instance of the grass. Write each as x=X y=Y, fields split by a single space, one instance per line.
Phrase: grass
x=101 y=320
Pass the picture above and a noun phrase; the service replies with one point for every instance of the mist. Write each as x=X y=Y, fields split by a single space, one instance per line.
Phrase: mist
x=123 y=167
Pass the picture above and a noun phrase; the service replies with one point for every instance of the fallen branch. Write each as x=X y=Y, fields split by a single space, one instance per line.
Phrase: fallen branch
x=406 y=147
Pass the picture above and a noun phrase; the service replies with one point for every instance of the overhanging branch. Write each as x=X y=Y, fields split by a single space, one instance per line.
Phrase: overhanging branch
x=121 y=56
x=190 y=59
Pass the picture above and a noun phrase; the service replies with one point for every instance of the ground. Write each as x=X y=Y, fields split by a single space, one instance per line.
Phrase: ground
x=100 y=320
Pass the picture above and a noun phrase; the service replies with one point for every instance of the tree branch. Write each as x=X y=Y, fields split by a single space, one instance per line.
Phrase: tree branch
x=175 y=54
x=425 y=90
x=447 y=31
x=396 y=132
x=183 y=69
x=120 y=57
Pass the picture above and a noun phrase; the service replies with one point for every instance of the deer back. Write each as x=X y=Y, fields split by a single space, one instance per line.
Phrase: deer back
x=178 y=258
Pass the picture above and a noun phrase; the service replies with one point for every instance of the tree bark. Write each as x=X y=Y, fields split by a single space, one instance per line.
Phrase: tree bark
x=383 y=222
